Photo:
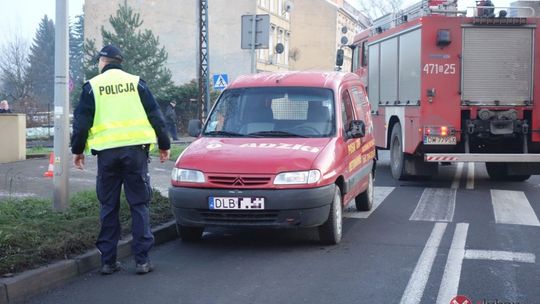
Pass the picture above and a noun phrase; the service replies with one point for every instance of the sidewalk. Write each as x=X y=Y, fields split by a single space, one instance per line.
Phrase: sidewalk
x=24 y=179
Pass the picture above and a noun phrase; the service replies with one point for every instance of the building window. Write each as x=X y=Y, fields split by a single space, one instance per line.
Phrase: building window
x=280 y=7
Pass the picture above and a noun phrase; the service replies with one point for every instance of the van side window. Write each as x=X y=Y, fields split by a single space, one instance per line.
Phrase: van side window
x=346 y=109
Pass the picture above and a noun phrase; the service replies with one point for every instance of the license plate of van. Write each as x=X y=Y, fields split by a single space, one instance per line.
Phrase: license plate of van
x=236 y=203
x=440 y=140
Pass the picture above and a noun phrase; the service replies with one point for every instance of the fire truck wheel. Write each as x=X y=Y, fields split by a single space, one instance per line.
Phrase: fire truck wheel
x=190 y=234
x=397 y=157
x=364 y=200
x=330 y=232
x=499 y=172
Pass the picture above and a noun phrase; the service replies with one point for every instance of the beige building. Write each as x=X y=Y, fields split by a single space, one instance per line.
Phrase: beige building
x=318 y=30
x=311 y=44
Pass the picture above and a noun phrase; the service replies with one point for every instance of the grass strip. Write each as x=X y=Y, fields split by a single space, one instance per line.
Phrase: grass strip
x=32 y=234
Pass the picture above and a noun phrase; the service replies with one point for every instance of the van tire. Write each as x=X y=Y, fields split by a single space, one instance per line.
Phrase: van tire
x=364 y=200
x=499 y=172
x=331 y=231
x=190 y=234
x=397 y=157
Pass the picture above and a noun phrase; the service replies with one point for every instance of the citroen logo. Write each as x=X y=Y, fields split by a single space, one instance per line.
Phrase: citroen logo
x=238 y=182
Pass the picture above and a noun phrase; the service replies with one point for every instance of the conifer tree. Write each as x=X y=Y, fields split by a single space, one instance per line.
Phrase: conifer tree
x=76 y=54
x=142 y=53
x=41 y=60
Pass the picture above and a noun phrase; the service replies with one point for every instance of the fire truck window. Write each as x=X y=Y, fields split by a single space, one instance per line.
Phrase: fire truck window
x=355 y=58
x=364 y=54
x=346 y=109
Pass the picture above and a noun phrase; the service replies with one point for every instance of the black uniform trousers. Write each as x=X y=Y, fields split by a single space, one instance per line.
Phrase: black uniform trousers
x=127 y=166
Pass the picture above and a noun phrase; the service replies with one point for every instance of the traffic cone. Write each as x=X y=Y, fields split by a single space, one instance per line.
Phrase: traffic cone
x=50 y=170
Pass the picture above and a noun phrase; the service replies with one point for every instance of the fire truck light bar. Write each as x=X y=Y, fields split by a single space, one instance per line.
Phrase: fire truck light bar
x=499 y=21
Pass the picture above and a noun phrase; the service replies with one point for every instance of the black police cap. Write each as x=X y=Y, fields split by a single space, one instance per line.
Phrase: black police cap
x=110 y=51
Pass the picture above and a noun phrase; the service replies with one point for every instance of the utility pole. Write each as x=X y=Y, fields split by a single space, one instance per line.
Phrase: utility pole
x=61 y=108
x=204 y=58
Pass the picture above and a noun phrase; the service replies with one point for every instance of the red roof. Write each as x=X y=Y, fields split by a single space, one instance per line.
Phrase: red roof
x=293 y=79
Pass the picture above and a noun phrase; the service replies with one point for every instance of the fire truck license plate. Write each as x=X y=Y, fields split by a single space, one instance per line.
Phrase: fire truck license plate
x=236 y=203
x=439 y=140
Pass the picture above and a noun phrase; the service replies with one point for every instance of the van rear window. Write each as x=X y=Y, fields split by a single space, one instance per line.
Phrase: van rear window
x=273 y=112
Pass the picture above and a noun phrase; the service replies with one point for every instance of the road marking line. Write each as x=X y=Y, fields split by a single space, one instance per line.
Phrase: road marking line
x=522 y=257
x=417 y=283
x=512 y=207
x=452 y=270
x=435 y=205
x=457 y=176
x=470 y=176
x=379 y=195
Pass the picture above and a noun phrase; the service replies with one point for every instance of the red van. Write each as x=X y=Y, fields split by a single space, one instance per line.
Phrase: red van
x=281 y=150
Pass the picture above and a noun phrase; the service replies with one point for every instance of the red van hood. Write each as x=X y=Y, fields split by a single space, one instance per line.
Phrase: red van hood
x=251 y=155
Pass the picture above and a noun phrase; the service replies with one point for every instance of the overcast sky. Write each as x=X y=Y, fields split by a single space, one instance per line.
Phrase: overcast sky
x=22 y=17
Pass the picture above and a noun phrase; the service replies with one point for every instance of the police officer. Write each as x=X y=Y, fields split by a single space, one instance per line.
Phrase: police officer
x=118 y=120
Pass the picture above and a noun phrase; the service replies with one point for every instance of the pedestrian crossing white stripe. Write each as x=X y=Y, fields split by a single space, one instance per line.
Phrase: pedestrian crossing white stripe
x=435 y=205
x=417 y=283
x=379 y=196
x=470 y=176
x=512 y=207
x=452 y=269
x=509 y=256
x=457 y=176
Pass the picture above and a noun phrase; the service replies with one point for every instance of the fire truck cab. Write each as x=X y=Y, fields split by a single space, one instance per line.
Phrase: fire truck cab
x=453 y=86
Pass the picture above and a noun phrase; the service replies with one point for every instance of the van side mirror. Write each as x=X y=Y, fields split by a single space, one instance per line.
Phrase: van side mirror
x=339 y=57
x=194 y=127
x=357 y=129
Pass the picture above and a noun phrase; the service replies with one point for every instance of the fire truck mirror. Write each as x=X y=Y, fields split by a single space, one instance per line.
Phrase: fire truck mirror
x=339 y=57
x=443 y=38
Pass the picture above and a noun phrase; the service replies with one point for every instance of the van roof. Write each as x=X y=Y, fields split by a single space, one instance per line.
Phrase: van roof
x=293 y=79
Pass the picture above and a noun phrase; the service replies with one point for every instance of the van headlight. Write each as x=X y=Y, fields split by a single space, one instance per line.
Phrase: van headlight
x=298 y=177
x=187 y=176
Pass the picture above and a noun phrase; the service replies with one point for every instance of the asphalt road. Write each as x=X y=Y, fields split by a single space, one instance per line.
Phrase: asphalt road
x=426 y=242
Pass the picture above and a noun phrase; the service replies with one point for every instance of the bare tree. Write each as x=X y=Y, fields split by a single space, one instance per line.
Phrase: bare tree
x=377 y=8
x=13 y=68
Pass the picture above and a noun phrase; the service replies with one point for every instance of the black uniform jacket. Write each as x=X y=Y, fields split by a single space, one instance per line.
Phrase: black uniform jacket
x=84 y=116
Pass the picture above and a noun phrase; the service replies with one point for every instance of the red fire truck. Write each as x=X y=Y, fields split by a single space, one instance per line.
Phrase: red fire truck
x=448 y=87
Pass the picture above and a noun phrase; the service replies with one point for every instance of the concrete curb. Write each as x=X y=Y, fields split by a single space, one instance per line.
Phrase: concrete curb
x=33 y=282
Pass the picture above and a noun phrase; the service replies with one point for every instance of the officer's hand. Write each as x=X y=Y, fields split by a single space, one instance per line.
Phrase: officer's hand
x=78 y=161
x=164 y=155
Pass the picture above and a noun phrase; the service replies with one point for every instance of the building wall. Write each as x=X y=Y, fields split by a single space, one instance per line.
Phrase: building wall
x=310 y=33
x=268 y=60
x=313 y=35
x=176 y=24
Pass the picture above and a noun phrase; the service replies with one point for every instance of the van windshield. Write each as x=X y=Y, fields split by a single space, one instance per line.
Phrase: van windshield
x=273 y=112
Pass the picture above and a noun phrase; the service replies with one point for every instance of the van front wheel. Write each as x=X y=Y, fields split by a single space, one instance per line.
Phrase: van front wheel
x=330 y=232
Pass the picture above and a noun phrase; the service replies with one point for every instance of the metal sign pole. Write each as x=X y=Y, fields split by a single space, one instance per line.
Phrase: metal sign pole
x=253 y=34
x=61 y=108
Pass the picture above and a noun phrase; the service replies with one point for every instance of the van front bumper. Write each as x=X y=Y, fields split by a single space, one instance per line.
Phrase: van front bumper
x=284 y=208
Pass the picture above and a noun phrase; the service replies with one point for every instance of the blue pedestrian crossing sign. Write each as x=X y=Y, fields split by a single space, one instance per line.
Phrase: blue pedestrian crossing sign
x=220 y=81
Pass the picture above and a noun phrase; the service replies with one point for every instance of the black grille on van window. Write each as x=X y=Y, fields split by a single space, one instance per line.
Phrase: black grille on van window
x=235 y=217
x=239 y=181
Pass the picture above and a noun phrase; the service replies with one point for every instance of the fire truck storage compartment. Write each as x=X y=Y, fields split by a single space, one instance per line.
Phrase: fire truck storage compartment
x=395 y=69
x=497 y=65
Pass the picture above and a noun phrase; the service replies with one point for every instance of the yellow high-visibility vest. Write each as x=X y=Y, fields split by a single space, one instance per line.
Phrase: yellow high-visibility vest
x=119 y=119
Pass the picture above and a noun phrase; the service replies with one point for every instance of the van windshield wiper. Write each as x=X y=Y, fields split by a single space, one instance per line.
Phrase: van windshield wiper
x=223 y=133
x=275 y=134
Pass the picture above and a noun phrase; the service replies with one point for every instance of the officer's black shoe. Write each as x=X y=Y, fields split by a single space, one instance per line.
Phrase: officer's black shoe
x=110 y=268
x=144 y=268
